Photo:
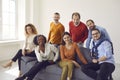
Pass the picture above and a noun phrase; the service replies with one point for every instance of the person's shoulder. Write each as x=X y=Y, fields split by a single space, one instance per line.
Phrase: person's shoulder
x=34 y=35
x=52 y=23
x=48 y=44
x=74 y=44
x=100 y=27
x=83 y=24
x=61 y=24
x=106 y=42
x=61 y=46
x=70 y=23
x=36 y=48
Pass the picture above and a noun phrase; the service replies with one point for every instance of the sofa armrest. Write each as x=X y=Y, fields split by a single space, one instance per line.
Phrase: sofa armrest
x=86 y=54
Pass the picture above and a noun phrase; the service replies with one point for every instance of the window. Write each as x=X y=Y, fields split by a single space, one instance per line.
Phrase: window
x=7 y=20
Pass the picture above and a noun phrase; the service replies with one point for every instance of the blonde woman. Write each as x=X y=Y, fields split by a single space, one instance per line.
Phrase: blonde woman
x=67 y=54
x=28 y=49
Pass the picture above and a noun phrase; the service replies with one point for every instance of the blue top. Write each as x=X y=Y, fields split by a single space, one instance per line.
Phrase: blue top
x=103 y=32
x=105 y=49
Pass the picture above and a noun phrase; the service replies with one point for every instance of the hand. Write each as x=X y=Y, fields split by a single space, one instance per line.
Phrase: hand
x=76 y=64
x=23 y=52
x=95 y=61
x=51 y=61
x=29 y=51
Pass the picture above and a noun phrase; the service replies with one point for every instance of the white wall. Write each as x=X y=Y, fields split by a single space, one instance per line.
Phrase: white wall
x=104 y=12
x=9 y=49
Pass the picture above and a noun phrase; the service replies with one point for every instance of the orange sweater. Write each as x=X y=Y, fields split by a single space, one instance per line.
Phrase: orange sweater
x=56 y=32
x=69 y=54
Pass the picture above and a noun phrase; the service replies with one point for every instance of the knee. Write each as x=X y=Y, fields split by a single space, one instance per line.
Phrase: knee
x=64 y=69
x=70 y=64
x=20 y=51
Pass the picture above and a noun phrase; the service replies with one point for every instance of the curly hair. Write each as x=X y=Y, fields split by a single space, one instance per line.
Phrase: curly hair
x=32 y=27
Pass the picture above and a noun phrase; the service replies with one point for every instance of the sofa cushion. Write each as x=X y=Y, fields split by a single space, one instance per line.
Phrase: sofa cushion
x=54 y=69
x=28 y=59
x=86 y=54
x=79 y=75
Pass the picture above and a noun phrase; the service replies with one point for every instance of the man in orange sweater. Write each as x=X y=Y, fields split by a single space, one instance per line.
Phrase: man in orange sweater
x=56 y=30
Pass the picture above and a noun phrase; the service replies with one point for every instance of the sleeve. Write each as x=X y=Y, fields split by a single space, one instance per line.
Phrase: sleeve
x=62 y=56
x=107 y=49
x=56 y=51
x=39 y=58
x=70 y=28
x=81 y=57
x=85 y=33
x=49 y=33
x=62 y=30
x=88 y=39
x=25 y=44
x=106 y=34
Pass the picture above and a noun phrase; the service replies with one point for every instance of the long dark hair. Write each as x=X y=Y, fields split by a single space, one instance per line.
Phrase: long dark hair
x=65 y=33
x=36 y=39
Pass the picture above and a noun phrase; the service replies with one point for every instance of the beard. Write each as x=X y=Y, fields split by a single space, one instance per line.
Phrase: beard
x=77 y=23
x=56 y=20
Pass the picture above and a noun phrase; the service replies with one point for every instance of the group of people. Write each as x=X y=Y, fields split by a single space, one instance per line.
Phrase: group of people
x=68 y=44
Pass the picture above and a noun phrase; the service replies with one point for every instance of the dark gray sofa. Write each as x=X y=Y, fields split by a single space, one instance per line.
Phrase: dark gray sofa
x=53 y=72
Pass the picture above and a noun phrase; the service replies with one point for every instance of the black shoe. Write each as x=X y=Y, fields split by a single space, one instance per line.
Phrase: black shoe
x=20 y=78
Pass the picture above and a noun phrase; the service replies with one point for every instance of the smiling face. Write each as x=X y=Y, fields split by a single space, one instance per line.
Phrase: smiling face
x=66 y=38
x=95 y=34
x=56 y=17
x=41 y=40
x=29 y=30
x=90 y=24
x=76 y=20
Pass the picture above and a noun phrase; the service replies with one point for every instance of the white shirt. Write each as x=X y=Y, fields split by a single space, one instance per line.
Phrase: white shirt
x=49 y=53
x=29 y=44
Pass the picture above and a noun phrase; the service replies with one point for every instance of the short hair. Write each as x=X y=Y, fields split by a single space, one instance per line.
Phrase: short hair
x=90 y=20
x=35 y=40
x=56 y=13
x=76 y=14
x=95 y=29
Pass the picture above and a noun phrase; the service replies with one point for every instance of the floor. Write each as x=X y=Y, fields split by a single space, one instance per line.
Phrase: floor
x=12 y=73
x=8 y=73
